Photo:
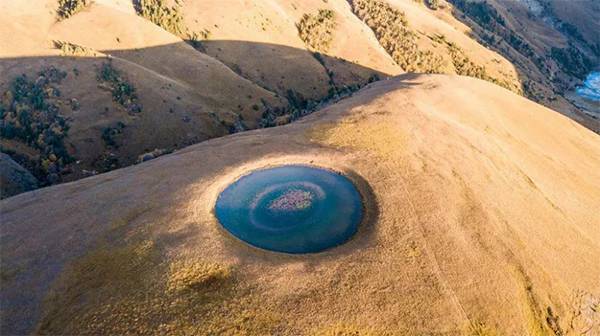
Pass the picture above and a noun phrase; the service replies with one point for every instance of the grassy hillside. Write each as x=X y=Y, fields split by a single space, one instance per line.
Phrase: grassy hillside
x=480 y=220
x=146 y=77
x=551 y=47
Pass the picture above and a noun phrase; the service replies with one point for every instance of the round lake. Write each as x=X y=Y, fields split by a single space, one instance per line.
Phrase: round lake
x=292 y=209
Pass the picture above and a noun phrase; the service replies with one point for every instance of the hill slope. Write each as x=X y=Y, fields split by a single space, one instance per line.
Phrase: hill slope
x=480 y=219
x=552 y=44
x=118 y=79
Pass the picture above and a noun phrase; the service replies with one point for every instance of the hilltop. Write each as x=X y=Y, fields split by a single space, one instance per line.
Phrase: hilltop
x=480 y=220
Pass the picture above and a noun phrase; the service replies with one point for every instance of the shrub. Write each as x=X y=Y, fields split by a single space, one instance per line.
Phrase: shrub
x=123 y=92
x=195 y=38
x=110 y=135
x=391 y=29
x=463 y=65
x=433 y=4
x=68 y=8
x=316 y=30
x=160 y=13
x=71 y=49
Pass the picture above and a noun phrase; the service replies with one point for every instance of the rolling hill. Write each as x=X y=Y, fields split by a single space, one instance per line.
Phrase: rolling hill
x=91 y=86
x=479 y=221
x=477 y=171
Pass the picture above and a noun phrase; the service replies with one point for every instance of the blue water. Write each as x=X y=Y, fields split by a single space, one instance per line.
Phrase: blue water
x=292 y=209
x=591 y=87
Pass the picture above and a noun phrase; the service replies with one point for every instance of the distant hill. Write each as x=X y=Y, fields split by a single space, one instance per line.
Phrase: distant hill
x=89 y=86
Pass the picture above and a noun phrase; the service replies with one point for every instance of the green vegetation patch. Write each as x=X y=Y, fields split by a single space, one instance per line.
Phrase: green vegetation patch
x=29 y=113
x=123 y=92
x=572 y=61
x=391 y=29
x=68 y=8
x=110 y=134
x=316 y=30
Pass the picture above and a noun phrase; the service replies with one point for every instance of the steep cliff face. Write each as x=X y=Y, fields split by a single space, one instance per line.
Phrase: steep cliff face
x=479 y=220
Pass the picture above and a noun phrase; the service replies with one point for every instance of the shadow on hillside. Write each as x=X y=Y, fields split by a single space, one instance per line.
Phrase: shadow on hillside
x=150 y=70
x=340 y=72
x=187 y=95
x=283 y=70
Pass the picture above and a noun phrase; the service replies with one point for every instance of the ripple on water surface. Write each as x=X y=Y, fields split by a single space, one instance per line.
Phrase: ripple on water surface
x=292 y=209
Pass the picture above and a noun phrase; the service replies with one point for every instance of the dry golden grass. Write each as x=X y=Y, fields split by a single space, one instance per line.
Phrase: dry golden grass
x=195 y=275
x=133 y=290
x=480 y=329
x=391 y=29
x=465 y=217
x=343 y=329
x=317 y=30
x=375 y=137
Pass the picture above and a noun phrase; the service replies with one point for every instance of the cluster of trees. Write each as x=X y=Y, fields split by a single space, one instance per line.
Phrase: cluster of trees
x=68 y=8
x=29 y=114
x=465 y=67
x=463 y=64
x=391 y=29
x=480 y=11
x=299 y=106
x=316 y=30
x=168 y=15
x=123 y=92
x=162 y=14
x=572 y=61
